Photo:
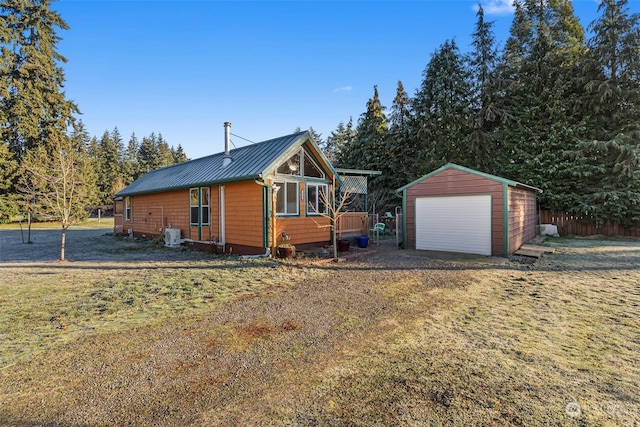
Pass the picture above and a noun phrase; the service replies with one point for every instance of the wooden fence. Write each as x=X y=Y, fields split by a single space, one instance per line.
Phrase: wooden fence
x=352 y=223
x=577 y=225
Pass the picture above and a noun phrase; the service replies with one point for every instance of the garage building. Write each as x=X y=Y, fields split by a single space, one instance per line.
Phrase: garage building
x=457 y=209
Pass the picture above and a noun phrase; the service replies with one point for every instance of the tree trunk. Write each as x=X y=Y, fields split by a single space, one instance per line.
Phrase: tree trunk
x=335 y=240
x=63 y=240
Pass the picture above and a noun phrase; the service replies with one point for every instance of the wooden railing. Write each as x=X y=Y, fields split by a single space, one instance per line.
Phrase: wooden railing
x=582 y=225
x=352 y=222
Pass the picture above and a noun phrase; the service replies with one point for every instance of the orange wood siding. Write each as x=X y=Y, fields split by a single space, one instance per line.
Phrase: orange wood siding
x=244 y=223
x=147 y=212
x=522 y=217
x=303 y=228
x=452 y=182
x=244 y=214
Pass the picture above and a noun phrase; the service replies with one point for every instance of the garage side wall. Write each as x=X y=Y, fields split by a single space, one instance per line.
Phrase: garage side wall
x=452 y=182
x=522 y=217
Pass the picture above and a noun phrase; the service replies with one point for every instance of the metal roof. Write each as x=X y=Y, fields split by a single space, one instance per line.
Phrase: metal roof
x=248 y=162
x=508 y=182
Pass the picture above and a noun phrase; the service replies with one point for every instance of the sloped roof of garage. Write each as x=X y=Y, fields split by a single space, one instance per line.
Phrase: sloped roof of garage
x=508 y=182
x=248 y=163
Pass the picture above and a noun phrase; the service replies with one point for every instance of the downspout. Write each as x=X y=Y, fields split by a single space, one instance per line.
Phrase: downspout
x=222 y=238
x=266 y=208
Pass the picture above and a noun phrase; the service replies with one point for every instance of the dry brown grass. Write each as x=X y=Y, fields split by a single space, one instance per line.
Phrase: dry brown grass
x=397 y=338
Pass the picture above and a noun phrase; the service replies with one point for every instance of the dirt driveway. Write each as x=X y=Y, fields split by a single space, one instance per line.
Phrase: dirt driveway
x=390 y=338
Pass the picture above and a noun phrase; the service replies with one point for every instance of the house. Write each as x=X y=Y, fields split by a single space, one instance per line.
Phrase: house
x=241 y=201
x=457 y=209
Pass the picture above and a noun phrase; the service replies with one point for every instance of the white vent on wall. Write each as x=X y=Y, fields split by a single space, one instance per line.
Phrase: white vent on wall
x=172 y=237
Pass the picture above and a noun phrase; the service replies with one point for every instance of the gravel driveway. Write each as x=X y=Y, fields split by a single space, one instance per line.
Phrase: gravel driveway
x=45 y=244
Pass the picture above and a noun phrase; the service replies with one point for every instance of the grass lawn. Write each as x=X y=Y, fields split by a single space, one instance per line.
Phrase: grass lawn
x=395 y=338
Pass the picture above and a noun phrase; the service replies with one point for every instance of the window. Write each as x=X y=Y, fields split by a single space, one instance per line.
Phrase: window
x=127 y=208
x=287 y=199
x=204 y=205
x=199 y=206
x=316 y=199
x=194 y=205
x=311 y=168
x=291 y=166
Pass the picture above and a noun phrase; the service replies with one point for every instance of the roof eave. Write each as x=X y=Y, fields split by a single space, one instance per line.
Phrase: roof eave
x=509 y=182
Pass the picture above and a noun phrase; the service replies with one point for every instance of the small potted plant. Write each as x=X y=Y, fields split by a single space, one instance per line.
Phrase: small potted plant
x=286 y=250
x=343 y=245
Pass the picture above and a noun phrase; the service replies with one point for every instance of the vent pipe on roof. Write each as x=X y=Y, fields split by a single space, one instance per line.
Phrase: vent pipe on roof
x=226 y=160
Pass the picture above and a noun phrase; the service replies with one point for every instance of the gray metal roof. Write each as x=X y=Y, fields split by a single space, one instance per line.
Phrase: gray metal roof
x=248 y=162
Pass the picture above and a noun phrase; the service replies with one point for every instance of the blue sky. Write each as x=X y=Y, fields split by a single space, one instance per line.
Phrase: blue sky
x=183 y=68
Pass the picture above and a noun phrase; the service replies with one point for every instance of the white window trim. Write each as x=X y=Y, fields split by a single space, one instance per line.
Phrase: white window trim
x=311 y=209
x=191 y=206
x=127 y=208
x=282 y=193
x=208 y=205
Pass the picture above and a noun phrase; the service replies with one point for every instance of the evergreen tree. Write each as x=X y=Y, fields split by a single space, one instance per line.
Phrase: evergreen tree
x=367 y=149
x=486 y=114
x=441 y=110
x=612 y=151
x=130 y=163
x=316 y=136
x=148 y=157
x=541 y=69
x=178 y=154
x=401 y=148
x=108 y=164
x=32 y=100
x=165 y=157
x=339 y=138
x=8 y=171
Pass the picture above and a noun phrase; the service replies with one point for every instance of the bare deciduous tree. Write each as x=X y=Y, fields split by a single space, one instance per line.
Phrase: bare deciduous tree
x=57 y=180
x=336 y=208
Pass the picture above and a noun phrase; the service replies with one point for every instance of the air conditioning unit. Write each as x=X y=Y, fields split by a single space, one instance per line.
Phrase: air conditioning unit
x=172 y=237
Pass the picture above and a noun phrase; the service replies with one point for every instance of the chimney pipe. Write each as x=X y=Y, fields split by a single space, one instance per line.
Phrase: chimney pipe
x=226 y=160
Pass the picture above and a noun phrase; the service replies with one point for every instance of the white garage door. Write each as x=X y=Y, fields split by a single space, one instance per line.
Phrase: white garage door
x=454 y=224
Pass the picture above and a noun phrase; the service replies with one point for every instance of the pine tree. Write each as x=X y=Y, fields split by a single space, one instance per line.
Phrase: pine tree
x=178 y=154
x=165 y=158
x=109 y=164
x=401 y=148
x=486 y=114
x=542 y=91
x=32 y=101
x=441 y=110
x=130 y=163
x=148 y=157
x=8 y=170
x=367 y=150
x=339 y=138
x=612 y=105
x=316 y=136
